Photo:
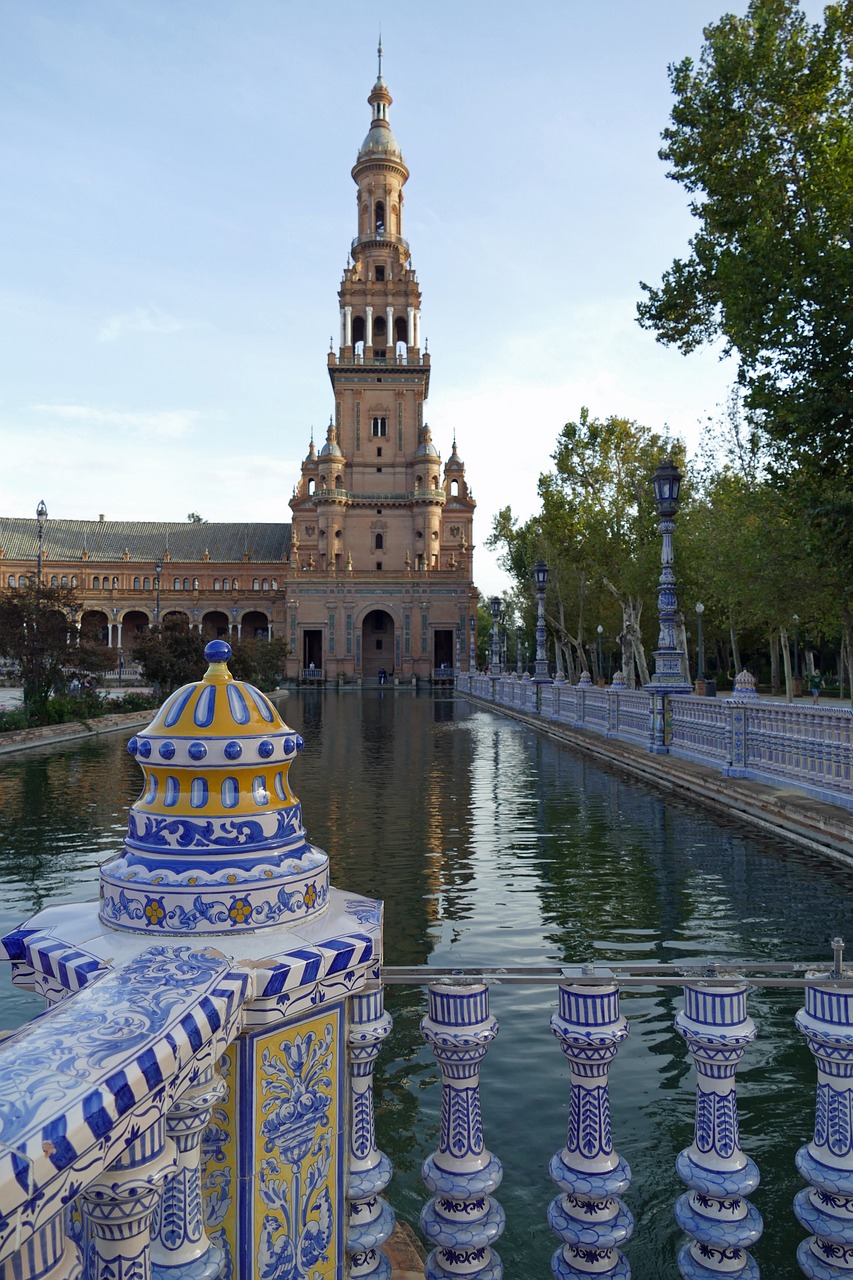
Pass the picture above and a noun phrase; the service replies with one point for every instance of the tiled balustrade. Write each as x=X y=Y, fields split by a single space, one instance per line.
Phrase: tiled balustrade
x=116 y=1105
x=810 y=747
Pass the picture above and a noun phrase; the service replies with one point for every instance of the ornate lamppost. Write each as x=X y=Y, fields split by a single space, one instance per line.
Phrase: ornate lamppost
x=495 y=662
x=797 y=688
x=600 y=630
x=700 y=648
x=540 y=574
x=519 y=670
x=472 y=647
x=668 y=677
x=41 y=517
x=158 y=569
x=458 y=654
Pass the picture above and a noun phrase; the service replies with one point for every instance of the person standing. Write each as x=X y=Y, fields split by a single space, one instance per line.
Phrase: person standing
x=815 y=683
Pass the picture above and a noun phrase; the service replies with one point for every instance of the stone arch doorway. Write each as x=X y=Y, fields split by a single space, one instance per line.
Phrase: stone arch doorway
x=377 y=644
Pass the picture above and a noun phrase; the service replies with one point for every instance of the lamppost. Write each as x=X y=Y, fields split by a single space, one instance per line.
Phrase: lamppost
x=700 y=648
x=495 y=660
x=796 y=649
x=458 y=663
x=41 y=517
x=472 y=647
x=600 y=630
x=668 y=677
x=519 y=670
x=158 y=569
x=540 y=574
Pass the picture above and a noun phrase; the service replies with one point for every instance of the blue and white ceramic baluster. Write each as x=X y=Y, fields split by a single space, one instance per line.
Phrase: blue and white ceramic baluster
x=371 y=1218
x=47 y=1255
x=119 y=1205
x=588 y=1216
x=826 y=1207
x=462 y=1220
x=715 y=1212
x=180 y=1248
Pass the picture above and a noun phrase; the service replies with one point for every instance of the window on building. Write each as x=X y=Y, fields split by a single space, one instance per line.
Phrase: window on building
x=186 y=584
x=226 y=584
x=195 y=584
x=115 y=584
x=216 y=584
x=136 y=584
x=96 y=583
x=379 y=451
x=256 y=584
x=73 y=581
x=235 y=585
x=64 y=580
x=380 y=217
x=310 y=488
x=380 y=273
x=380 y=542
x=378 y=564
x=265 y=586
x=146 y=584
x=11 y=579
x=379 y=427
x=177 y=584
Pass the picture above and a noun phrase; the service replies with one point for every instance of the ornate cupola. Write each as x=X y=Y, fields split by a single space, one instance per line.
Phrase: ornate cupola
x=215 y=843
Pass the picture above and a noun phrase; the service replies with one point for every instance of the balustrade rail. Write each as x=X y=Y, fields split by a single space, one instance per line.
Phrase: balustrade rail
x=809 y=747
x=102 y=1171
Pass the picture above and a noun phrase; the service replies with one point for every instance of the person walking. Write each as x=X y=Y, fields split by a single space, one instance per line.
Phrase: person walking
x=815 y=683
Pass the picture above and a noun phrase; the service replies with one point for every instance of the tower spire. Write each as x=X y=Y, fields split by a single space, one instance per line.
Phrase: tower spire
x=379 y=51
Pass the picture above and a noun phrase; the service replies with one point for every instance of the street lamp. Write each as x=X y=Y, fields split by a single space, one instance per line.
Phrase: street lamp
x=518 y=667
x=669 y=676
x=600 y=630
x=472 y=647
x=158 y=569
x=495 y=663
x=796 y=647
x=540 y=574
x=41 y=517
x=458 y=655
x=700 y=648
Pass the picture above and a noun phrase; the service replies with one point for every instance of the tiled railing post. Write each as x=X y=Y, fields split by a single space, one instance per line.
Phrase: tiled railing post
x=589 y=1216
x=715 y=1212
x=462 y=1219
x=119 y=1206
x=47 y=1255
x=371 y=1218
x=826 y=1207
x=180 y=1248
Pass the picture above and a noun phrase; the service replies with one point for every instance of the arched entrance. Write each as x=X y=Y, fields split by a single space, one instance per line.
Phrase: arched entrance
x=94 y=627
x=377 y=644
x=254 y=625
x=134 y=625
x=215 y=625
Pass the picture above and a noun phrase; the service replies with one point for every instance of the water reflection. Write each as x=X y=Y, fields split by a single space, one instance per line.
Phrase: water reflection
x=491 y=844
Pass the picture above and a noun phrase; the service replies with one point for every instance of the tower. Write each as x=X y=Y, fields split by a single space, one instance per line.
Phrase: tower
x=373 y=508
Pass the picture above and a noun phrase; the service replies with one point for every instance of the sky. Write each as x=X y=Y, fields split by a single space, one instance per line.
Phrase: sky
x=177 y=206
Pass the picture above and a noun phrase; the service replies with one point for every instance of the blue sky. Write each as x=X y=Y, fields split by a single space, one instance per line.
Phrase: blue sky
x=177 y=206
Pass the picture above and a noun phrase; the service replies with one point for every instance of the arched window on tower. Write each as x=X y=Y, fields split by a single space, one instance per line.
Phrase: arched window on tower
x=358 y=335
x=311 y=488
x=419 y=483
x=454 y=488
x=96 y=583
x=380 y=217
x=380 y=542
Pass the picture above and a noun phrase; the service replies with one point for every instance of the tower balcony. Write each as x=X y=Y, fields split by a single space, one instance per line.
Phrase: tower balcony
x=378 y=240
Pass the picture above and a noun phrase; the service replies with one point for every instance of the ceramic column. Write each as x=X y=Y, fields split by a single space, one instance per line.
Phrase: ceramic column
x=715 y=1211
x=119 y=1206
x=826 y=1207
x=462 y=1219
x=47 y=1255
x=180 y=1248
x=589 y=1216
x=371 y=1218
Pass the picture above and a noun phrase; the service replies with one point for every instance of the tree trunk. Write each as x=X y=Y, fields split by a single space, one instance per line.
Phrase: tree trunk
x=735 y=649
x=786 y=658
x=775 y=684
x=848 y=646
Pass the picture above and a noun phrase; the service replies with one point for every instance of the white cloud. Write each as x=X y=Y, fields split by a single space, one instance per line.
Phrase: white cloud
x=143 y=320
x=165 y=424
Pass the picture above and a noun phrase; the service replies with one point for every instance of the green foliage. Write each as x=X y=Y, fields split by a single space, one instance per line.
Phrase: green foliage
x=261 y=662
x=37 y=632
x=762 y=139
x=171 y=655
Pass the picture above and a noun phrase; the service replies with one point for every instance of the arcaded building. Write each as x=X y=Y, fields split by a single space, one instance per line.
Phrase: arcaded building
x=376 y=569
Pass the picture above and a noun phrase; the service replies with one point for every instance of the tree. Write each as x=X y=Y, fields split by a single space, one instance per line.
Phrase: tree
x=195 y=518
x=261 y=662
x=762 y=139
x=38 y=632
x=171 y=655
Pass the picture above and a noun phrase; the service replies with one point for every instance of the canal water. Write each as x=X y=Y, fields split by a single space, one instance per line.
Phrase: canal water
x=492 y=845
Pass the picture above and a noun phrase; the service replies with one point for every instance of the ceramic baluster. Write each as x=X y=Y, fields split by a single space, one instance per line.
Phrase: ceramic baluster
x=47 y=1255
x=180 y=1247
x=589 y=1216
x=371 y=1218
x=715 y=1211
x=826 y=1207
x=462 y=1219
x=119 y=1207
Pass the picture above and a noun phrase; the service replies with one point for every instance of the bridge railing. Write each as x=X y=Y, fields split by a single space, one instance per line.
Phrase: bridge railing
x=101 y=1169
x=810 y=747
